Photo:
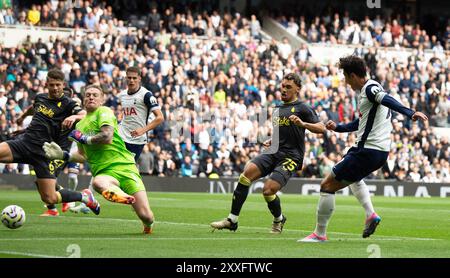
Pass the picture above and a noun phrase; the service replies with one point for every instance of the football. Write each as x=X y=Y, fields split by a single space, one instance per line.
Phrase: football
x=13 y=217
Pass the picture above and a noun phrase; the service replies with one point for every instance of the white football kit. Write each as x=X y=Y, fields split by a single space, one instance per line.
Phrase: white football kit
x=136 y=109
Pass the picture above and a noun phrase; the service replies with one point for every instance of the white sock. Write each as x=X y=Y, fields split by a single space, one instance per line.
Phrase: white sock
x=73 y=181
x=325 y=209
x=91 y=188
x=361 y=192
x=233 y=218
x=278 y=219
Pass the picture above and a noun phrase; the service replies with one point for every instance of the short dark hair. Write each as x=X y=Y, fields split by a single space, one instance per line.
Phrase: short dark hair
x=56 y=74
x=353 y=64
x=295 y=77
x=134 y=69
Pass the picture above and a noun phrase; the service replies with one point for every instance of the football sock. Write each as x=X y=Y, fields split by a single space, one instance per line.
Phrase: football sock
x=51 y=207
x=73 y=181
x=148 y=224
x=68 y=196
x=274 y=205
x=325 y=209
x=239 y=196
x=361 y=192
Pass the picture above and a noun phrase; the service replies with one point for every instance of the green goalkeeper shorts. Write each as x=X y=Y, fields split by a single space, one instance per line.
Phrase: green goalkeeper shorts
x=130 y=180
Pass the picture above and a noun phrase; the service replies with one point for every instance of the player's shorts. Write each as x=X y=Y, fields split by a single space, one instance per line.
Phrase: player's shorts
x=25 y=151
x=358 y=163
x=136 y=149
x=279 y=165
x=73 y=167
x=128 y=176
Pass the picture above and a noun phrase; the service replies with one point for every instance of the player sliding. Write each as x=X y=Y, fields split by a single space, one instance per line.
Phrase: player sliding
x=137 y=103
x=371 y=149
x=283 y=158
x=53 y=113
x=114 y=172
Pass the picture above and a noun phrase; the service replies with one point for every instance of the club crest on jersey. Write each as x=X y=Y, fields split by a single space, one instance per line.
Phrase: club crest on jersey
x=46 y=111
x=129 y=111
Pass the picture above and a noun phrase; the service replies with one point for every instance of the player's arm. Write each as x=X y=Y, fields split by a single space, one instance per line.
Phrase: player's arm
x=29 y=111
x=349 y=127
x=311 y=121
x=159 y=118
x=69 y=121
x=318 y=127
x=375 y=95
x=105 y=136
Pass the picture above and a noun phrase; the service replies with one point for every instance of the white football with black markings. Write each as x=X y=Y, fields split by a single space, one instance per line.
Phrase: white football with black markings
x=13 y=217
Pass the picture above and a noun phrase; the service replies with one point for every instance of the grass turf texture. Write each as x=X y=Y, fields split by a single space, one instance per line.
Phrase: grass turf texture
x=410 y=227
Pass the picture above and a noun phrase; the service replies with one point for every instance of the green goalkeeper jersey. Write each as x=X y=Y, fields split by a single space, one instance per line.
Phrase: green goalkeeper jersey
x=103 y=156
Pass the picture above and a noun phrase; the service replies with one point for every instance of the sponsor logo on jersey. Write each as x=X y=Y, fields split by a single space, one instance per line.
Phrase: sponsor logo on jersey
x=281 y=121
x=129 y=111
x=46 y=111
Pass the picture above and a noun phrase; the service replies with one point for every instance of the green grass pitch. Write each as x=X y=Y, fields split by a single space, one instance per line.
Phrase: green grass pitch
x=410 y=227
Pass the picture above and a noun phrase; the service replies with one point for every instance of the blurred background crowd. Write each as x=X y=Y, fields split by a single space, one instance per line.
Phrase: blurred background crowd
x=217 y=77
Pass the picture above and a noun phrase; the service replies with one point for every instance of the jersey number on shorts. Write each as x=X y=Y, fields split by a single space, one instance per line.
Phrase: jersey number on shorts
x=55 y=164
x=289 y=165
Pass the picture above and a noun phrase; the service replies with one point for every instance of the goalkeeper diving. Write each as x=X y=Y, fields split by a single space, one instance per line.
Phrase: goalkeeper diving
x=114 y=172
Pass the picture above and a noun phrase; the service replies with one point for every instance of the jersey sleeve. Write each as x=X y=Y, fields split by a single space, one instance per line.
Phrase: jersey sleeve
x=151 y=102
x=374 y=93
x=308 y=115
x=74 y=107
x=106 y=117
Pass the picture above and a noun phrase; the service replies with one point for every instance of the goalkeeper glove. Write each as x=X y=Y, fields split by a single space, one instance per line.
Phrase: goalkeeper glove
x=79 y=137
x=53 y=151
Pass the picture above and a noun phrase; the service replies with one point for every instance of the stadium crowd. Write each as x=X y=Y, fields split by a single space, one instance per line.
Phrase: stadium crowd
x=217 y=81
x=400 y=31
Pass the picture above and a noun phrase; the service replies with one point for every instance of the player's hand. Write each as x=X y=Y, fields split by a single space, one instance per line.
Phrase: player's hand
x=53 y=151
x=296 y=120
x=79 y=137
x=68 y=122
x=137 y=132
x=266 y=144
x=419 y=116
x=330 y=125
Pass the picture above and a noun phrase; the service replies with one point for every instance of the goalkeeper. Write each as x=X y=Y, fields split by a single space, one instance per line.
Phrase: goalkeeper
x=114 y=172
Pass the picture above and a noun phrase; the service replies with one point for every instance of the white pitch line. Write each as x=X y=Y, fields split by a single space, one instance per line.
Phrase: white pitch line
x=241 y=227
x=29 y=254
x=150 y=238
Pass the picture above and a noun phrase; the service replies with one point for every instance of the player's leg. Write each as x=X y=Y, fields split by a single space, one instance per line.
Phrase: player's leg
x=51 y=209
x=6 y=154
x=107 y=185
x=277 y=180
x=271 y=187
x=73 y=171
x=82 y=207
x=361 y=192
x=143 y=211
x=49 y=195
x=252 y=172
x=342 y=174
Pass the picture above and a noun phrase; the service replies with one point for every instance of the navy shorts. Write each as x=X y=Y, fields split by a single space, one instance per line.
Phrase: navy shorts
x=136 y=149
x=358 y=163
x=279 y=165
